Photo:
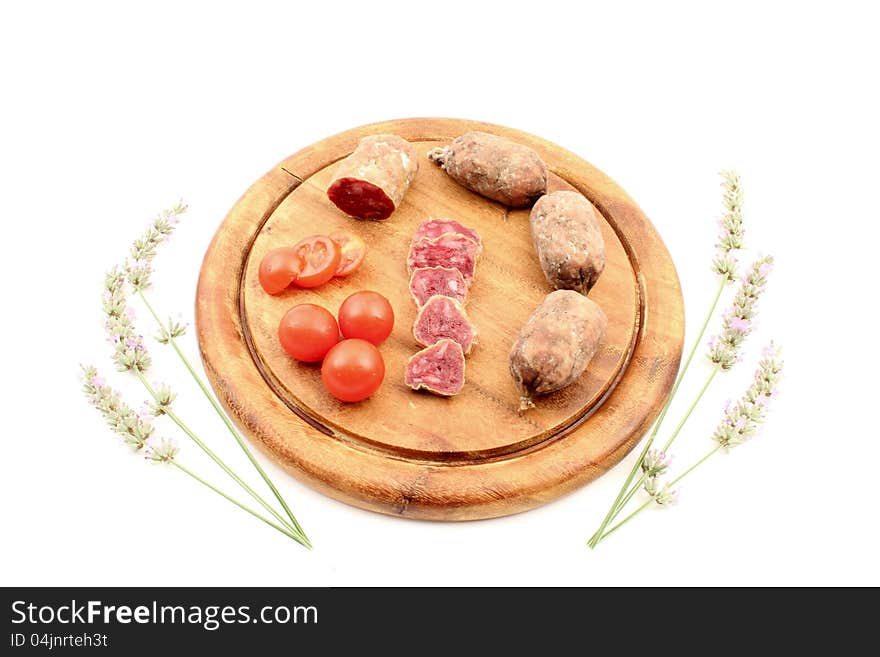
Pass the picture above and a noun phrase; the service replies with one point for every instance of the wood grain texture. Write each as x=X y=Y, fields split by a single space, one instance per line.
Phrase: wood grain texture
x=414 y=454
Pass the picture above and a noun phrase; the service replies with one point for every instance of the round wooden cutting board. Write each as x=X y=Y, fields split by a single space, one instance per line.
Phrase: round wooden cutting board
x=414 y=454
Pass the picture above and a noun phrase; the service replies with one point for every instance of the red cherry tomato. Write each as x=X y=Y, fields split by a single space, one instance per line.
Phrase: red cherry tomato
x=278 y=269
x=353 y=370
x=366 y=315
x=318 y=257
x=307 y=332
x=353 y=250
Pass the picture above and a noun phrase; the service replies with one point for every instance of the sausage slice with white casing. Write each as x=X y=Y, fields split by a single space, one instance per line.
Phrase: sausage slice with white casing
x=439 y=369
x=426 y=282
x=449 y=250
x=444 y=318
x=434 y=228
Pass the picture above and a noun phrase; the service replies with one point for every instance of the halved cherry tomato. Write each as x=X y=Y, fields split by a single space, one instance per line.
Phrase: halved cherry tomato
x=353 y=249
x=319 y=257
x=307 y=332
x=278 y=269
x=366 y=315
x=353 y=370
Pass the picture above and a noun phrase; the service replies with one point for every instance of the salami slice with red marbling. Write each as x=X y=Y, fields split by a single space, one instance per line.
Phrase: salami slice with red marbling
x=426 y=282
x=449 y=250
x=439 y=369
x=444 y=317
x=434 y=228
x=371 y=182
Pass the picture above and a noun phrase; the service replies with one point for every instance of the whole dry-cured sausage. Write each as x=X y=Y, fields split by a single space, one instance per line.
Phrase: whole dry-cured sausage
x=495 y=167
x=566 y=234
x=556 y=344
x=371 y=182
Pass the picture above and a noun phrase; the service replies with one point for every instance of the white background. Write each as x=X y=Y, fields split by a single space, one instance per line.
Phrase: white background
x=109 y=114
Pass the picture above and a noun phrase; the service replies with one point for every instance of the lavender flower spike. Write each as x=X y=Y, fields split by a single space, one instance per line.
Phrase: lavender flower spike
x=134 y=429
x=738 y=319
x=731 y=227
x=742 y=420
x=140 y=269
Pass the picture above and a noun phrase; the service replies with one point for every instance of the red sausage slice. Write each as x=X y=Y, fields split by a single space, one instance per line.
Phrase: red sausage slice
x=361 y=199
x=448 y=250
x=434 y=228
x=443 y=317
x=439 y=369
x=429 y=281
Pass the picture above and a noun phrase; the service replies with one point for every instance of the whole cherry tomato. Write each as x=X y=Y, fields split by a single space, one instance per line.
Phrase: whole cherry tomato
x=367 y=315
x=307 y=332
x=353 y=370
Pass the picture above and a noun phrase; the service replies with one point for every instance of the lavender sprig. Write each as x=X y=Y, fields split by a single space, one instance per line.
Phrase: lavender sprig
x=137 y=431
x=139 y=272
x=731 y=227
x=738 y=320
x=742 y=419
x=730 y=239
x=134 y=429
x=129 y=351
x=130 y=354
x=740 y=422
x=140 y=269
x=736 y=326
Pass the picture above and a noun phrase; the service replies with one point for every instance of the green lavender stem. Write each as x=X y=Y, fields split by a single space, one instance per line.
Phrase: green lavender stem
x=691 y=408
x=695 y=465
x=207 y=450
x=617 y=506
x=628 y=496
x=625 y=520
x=687 y=362
x=222 y=415
x=632 y=491
x=648 y=502
x=286 y=532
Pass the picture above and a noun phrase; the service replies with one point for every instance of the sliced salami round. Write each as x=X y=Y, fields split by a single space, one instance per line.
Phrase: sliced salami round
x=426 y=282
x=434 y=228
x=439 y=369
x=449 y=250
x=443 y=317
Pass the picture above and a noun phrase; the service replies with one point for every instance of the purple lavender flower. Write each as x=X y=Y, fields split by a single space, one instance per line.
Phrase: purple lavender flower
x=738 y=321
x=730 y=227
x=742 y=419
